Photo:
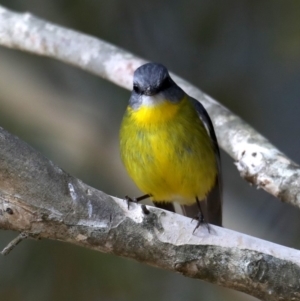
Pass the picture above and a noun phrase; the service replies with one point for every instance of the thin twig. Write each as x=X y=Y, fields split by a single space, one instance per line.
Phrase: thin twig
x=14 y=243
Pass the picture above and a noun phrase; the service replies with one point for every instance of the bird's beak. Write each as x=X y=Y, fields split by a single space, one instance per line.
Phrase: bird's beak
x=148 y=91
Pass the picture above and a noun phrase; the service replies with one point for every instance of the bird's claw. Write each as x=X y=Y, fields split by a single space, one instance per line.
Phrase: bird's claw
x=129 y=200
x=200 y=221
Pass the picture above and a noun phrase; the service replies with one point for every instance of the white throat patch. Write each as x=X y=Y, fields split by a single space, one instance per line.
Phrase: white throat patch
x=153 y=100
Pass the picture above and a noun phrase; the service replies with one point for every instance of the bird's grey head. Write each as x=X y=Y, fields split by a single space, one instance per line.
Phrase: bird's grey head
x=152 y=82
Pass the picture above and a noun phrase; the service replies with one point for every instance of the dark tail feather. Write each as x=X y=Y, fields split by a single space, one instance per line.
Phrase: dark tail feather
x=214 y=205
x=166 y=206
x=192 y=210
x=211 y=207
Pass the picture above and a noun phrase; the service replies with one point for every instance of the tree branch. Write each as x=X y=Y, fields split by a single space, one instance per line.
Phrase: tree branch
x=41 y=200
x=257 y=160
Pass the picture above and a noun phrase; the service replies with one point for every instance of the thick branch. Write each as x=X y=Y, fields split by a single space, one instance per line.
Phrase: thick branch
x=41 y=200
x=258 y=161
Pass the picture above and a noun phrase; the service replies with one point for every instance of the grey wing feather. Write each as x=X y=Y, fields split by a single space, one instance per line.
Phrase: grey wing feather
x=212 y=206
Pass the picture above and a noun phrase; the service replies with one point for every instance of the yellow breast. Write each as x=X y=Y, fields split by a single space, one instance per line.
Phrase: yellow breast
x=167 y=151
x=148 y=115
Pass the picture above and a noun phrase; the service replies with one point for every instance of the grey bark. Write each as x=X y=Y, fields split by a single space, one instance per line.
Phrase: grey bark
x=39 y=199
x=257 y=160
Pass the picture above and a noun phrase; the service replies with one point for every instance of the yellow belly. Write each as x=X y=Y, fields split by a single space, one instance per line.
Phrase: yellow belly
x=170 y=157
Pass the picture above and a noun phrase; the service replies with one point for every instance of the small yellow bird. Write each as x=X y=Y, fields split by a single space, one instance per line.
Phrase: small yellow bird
x=169 y=147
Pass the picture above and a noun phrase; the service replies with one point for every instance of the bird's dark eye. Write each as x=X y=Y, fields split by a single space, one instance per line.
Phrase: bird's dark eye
x=136 y=88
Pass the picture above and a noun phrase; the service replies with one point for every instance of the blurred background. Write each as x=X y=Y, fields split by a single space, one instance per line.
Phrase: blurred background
x=246 y=54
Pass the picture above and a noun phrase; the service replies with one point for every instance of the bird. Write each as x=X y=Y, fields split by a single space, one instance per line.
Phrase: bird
x=169 y=147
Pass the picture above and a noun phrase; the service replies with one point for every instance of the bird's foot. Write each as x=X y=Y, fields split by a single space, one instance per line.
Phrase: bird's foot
x=200 y=221
x=129 y=200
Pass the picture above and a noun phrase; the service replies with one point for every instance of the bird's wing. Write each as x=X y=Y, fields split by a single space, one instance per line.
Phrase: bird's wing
x=212 y=206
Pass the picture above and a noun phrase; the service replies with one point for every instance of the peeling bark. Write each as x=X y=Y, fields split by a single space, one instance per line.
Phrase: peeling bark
x=257 y=160
x=39 y=199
